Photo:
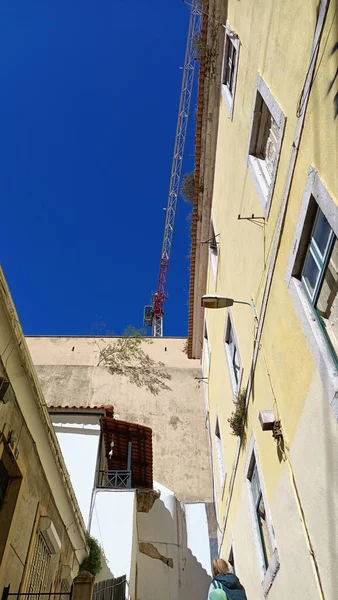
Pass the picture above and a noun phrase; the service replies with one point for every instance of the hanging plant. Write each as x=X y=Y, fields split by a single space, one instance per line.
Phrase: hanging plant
x=93 y=562
x=237 y=418
x=188 y=187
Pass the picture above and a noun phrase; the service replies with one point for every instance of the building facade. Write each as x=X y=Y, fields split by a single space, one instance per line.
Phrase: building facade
x=42 y=533
x=71 y=375
x=146 y=489
x=264 y=234
x=147 y=534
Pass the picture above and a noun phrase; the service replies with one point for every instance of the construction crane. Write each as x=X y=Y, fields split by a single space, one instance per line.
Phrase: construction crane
x=153 y=314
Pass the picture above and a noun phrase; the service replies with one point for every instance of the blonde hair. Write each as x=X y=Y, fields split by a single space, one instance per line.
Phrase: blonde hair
x=219 y=567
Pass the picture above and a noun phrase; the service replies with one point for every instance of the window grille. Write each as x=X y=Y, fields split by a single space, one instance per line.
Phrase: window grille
x=40 y=565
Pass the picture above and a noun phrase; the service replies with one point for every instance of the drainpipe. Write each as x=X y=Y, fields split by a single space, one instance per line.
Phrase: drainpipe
x=301 y=112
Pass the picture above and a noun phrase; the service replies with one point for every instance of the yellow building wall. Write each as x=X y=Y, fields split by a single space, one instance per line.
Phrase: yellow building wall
x=275 y=41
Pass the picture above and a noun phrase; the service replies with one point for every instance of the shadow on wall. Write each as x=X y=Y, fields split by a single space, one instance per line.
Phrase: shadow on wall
x=166 y=566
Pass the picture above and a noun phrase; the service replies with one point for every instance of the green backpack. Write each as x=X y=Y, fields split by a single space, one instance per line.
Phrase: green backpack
x=217 y=594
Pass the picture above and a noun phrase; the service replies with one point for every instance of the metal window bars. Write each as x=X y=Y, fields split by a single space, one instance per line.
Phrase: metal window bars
x=51 y=595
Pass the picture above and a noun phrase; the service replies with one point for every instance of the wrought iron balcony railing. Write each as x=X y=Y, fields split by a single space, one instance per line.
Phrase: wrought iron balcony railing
x=30 y=595
x=114 y=479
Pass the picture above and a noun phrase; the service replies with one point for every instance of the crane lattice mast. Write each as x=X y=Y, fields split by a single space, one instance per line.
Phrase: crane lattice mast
x=153 y=315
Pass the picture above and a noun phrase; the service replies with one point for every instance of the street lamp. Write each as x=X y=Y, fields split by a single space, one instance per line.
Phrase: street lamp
x=216 y=301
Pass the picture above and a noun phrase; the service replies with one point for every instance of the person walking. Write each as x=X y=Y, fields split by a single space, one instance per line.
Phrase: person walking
x=225 y=585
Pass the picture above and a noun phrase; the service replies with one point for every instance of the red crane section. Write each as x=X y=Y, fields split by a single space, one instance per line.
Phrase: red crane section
x=153 y=314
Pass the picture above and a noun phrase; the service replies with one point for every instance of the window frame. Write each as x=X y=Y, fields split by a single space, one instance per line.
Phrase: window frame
x=322 y=262
x=231 y=557
x=319 y=343
x=206 y=360
x=231 y=39
x=206 y=351
x=4 y=482
x=235 y=383
x=264 y=189
x=267 y=573
x=8 y=506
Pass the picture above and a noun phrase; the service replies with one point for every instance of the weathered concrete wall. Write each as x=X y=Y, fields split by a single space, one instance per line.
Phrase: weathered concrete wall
x=69 y=375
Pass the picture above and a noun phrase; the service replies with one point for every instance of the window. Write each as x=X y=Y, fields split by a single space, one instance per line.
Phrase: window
x=231 y=560
x=10 y=482
x=230 y=65
x=264 y=141
x=37 y=581
x=267 y=127
x=219 y=451
x=260 y=513
x=206 y=366
x=206 y=353
x=4 y=481
x=319 y=276
x=233 y=356
x=213 y=251
x=264 y=538
x=312 y=279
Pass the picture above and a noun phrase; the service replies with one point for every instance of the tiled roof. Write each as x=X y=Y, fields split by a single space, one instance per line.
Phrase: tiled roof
x=121 y=433
x=198 y=150
x=107 y=408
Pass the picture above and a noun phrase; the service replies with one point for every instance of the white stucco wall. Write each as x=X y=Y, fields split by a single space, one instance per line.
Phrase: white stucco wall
x=80 y=454
x=197 y=533
x=112 y=522
x=188 y=546
x=113 y=526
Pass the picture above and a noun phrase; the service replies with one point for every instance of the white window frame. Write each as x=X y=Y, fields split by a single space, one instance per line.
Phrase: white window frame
x=317 y=341
x=220 y=456
x=236 y=385
x=263 y=188
x=230 y=38
x=268 y=575
x=214 y=256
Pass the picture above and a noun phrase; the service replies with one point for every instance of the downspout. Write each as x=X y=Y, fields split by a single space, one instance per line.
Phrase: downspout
x=301 y=112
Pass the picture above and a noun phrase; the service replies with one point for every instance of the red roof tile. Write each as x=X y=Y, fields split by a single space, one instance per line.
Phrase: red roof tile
x=121 y=433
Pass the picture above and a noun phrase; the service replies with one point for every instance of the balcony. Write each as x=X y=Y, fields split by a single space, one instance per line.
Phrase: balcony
x=114 y=480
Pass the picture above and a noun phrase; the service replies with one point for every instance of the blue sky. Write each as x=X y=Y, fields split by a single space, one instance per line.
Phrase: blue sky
x=88 y=109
